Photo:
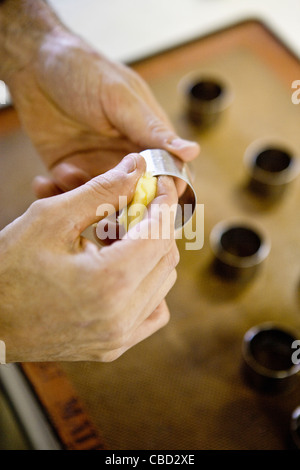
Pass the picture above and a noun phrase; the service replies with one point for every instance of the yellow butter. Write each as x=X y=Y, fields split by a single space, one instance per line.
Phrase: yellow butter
x=145 y=193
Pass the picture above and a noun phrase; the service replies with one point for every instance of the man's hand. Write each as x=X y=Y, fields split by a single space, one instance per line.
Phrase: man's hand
x=82 y=111
x=64 y=299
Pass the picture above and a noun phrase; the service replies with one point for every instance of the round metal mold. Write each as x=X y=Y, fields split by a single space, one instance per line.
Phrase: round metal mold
x=295 y=428
x=271 y=167
x=161 y=163
x=206 y=97
x=239 y=248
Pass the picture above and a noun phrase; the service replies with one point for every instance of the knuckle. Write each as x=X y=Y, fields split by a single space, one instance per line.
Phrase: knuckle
x=102 y=185
x=167 y=185
x=111 y=184
x=95 y=355
x=39 y=207
x=111 y=356
x=43 y=212
x=112 y=342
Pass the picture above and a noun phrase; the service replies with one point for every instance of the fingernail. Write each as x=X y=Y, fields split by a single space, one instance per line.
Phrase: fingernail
x=179 y=144
x=129 y=162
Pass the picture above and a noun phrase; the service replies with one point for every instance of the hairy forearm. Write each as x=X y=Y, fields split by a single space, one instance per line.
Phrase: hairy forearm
x=23 y=26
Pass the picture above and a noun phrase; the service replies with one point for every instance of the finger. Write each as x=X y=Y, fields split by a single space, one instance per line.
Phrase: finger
x=158 y=318
x=180 y=186
x=166 y=192
x=92 y=201
x=45 y=187
x=65 y=178
x=78 y=168
x=68 y=176
x=108 y=231
x=182 y=148
x=145 y=244
x=92 y=163
x=153 y=289
x=154 y=322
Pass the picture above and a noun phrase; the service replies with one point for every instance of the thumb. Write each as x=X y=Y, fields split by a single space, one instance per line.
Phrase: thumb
x=83 y=203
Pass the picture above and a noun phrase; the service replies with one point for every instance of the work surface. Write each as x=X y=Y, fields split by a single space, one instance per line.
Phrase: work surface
x=183 y=387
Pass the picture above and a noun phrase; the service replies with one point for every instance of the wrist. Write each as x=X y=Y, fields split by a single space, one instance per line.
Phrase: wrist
x=24 y=25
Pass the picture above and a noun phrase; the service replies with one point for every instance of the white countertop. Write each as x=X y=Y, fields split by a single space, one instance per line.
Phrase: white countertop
x=128 y=30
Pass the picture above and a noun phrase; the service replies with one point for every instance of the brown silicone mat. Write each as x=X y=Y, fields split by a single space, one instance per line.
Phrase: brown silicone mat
x=183 y=388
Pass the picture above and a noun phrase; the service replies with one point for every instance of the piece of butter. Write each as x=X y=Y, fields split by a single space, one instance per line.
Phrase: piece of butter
x=145 y=193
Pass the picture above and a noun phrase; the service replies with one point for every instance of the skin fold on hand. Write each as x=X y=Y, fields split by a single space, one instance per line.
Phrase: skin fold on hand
x=61 y=296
